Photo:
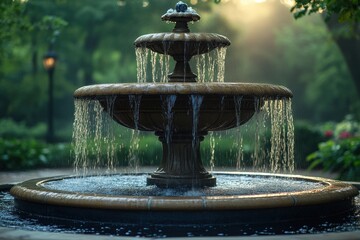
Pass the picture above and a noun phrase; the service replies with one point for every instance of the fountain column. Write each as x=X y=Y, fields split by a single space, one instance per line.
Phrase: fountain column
x=181 y=165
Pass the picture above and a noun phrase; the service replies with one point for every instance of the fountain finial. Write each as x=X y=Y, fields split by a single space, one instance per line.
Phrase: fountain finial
x=181 y=6
x=181 y=15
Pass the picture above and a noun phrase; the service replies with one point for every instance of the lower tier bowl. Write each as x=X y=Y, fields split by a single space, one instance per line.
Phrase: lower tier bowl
x=258 y=199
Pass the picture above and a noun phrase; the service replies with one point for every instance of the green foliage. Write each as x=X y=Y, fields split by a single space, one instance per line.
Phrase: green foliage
x=341 y=156
x=53 y=25
x=12 y=129
x=20 y=147
x=348 y=127
x=12 y=21
x=347 y=11
x=307 y=138
x=324 y=78
x=341 y=152
x=17 y=154
x=150 y=151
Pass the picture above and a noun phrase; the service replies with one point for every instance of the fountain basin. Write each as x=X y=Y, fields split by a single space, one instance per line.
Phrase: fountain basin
x=195 y=110
x=217 y=110
x=326 y=200
x=174 y=44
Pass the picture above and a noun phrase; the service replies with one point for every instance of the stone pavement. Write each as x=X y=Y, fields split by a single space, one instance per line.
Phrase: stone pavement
x=15 y=234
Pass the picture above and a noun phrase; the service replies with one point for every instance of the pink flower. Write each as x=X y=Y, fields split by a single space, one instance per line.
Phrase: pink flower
x=344 y=135
x=328 y=133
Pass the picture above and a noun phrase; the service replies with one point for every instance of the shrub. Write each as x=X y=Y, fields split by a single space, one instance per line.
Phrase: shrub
x=341 y=152
x=18 y=154
x=307 y=139
x=341 y=156
x=12 y=129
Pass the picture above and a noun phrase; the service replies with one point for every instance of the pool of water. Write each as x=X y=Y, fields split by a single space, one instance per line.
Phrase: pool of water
x=227 y=185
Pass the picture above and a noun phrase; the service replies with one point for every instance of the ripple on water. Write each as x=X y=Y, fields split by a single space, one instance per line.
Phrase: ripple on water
x=227 y=184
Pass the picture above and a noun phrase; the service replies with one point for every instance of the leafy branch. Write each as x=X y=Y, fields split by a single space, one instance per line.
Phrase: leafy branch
x=346 y=11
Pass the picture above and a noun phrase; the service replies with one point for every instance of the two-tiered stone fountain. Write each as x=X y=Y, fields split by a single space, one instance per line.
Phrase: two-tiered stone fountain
x=181 y=112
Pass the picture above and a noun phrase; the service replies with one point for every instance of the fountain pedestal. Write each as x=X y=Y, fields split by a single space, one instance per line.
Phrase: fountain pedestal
x=181 y=165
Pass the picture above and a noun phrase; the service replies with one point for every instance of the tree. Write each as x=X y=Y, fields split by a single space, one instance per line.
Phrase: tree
x=343 y=19
x=346 y=11
x=315 y=71
x=12 y=22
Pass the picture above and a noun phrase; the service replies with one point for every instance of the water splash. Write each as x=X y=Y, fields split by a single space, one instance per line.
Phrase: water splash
x=212 y=150
x=153 y=56
x=289 y=121
x=109 y=137
x=261 y=136
x=200 y=67
x=141 y=63
x=238 y=143
x=81 y=133
x=159 y=65
x=133 y=157
x=95 y=143
x=92 y=136
x=221 y=54
x=210 y=67
x=168 y=102
x=282 y=139
x=266 y=142
x=196 y=101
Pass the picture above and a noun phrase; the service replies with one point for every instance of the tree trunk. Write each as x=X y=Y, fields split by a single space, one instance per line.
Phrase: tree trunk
x=91 y=43
x=349 y=47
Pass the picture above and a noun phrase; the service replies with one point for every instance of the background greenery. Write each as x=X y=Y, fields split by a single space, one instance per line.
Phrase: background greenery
x=94 y=41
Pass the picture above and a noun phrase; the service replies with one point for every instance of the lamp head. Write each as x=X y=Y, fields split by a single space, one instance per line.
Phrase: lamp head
x=49 y=60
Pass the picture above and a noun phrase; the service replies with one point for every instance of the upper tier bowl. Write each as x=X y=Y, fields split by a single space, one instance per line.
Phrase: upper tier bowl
x=217 y=110
x=174 y=44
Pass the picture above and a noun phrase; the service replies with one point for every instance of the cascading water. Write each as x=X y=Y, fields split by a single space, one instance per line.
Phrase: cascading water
x=168 y=103
x=275 y=115
x=210 y=67
x=135 y=101
x=91 y=122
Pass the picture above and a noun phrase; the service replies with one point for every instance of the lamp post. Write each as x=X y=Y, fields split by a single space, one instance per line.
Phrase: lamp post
x=49 y=61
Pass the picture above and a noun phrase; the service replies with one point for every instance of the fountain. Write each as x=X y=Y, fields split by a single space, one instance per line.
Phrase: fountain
x=181 y=110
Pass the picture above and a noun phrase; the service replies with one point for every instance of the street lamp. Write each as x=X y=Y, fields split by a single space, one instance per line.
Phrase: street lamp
x=49 y=61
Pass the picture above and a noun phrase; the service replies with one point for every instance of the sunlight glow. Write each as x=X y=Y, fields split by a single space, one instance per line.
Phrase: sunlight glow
x=288 y=3
x=145 y=3
x=121 y=3
x=246 y=2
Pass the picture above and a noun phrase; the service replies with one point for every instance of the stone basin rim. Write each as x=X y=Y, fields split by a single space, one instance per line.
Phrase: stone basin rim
x=211 y=38
x=234 y=89
x=333 y=191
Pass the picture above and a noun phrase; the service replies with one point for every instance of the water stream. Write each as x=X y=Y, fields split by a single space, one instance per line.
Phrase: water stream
x=155 y=67
x=133 y=156
x=270 y=134
x=168 y=103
